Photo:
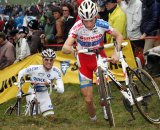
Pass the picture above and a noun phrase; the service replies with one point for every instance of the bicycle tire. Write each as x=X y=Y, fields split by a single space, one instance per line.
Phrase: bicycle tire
x=13 y=109
x=143 y=85
x=18 y=106
x=105 y=96
x=9 y=110
x=34 y=107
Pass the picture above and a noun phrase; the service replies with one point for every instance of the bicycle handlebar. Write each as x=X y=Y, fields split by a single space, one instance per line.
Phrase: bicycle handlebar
x=32 y=82
x=101 y=47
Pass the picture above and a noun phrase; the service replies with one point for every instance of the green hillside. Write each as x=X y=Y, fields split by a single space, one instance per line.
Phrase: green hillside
x=70 y=114
x=24 y=2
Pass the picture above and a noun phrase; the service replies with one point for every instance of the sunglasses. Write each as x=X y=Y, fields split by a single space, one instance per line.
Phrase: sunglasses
x=46 y=59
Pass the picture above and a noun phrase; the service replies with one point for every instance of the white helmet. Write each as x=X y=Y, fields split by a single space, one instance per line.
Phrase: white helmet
x=48 y=53
x=87 y=10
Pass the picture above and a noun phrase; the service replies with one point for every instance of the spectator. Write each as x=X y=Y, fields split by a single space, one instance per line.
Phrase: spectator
x=36 y=10
x=69 y=20
x=22 y=47
x=12 y=36
x=103 y=12
x=49 y=30
x=57 y=13
x=9 y=25
x=117 y=18
x=150 y=22
x=33 y=37
x=134 y=17
x=19 y=20
x=7 y=52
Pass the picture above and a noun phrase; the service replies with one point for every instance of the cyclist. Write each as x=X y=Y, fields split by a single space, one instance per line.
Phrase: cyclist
x=89 y=32
x=43 y=73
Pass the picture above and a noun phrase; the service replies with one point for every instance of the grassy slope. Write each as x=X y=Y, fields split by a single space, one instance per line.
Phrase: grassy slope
x=70 y=114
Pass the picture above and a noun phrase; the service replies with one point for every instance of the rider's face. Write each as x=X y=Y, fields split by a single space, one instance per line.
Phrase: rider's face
x=89 y=24
x=48 y=63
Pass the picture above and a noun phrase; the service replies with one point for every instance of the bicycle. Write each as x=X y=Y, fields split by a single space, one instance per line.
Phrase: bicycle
x=140 y=88
x=32 y=106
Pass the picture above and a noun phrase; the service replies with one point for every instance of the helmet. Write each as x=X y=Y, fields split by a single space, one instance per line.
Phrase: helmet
x=87 y=10
x=33 y=24
x=48 y=53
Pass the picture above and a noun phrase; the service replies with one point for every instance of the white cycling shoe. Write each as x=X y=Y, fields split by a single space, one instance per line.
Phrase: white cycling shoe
x=48 y=113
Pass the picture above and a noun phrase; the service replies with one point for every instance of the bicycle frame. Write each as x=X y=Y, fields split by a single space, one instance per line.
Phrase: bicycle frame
x=125 y=68
x=32 y=94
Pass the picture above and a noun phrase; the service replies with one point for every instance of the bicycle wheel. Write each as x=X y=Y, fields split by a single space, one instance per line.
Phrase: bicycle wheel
x=34 y=107
x=13 y=109
x=9 y=110
x=146 y=95
x=105 y=96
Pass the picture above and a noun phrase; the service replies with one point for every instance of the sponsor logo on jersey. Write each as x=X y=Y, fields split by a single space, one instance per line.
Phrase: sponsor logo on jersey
x=48 y=75
x=41 y=74
x=90 y=44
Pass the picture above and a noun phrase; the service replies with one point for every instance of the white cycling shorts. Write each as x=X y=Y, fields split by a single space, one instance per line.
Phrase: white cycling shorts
x=44 y=100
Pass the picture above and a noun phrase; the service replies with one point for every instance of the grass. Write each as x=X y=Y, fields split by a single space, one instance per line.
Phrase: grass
x=26 y=2
x=70 y=114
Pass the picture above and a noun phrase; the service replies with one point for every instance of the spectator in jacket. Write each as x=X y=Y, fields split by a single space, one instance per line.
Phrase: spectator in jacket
x=48 y=36
x=7 y=52
x=22 y=47
x=68 y=16
x=33 y=38
x=134 y=17
x=117 y=18
x=150 y=22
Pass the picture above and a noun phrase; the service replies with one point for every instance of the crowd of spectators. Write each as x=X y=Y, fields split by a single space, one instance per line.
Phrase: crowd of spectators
x=43 y=25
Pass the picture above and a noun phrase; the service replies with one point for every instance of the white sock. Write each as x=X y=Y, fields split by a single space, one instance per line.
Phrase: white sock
x=93 y=118
x=105 y=114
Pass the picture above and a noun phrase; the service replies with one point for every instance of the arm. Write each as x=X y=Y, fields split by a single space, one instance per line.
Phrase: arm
x=67 y=47
x=20 y=76
x=119 y=38
x=21 y=73
x=59 y=29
